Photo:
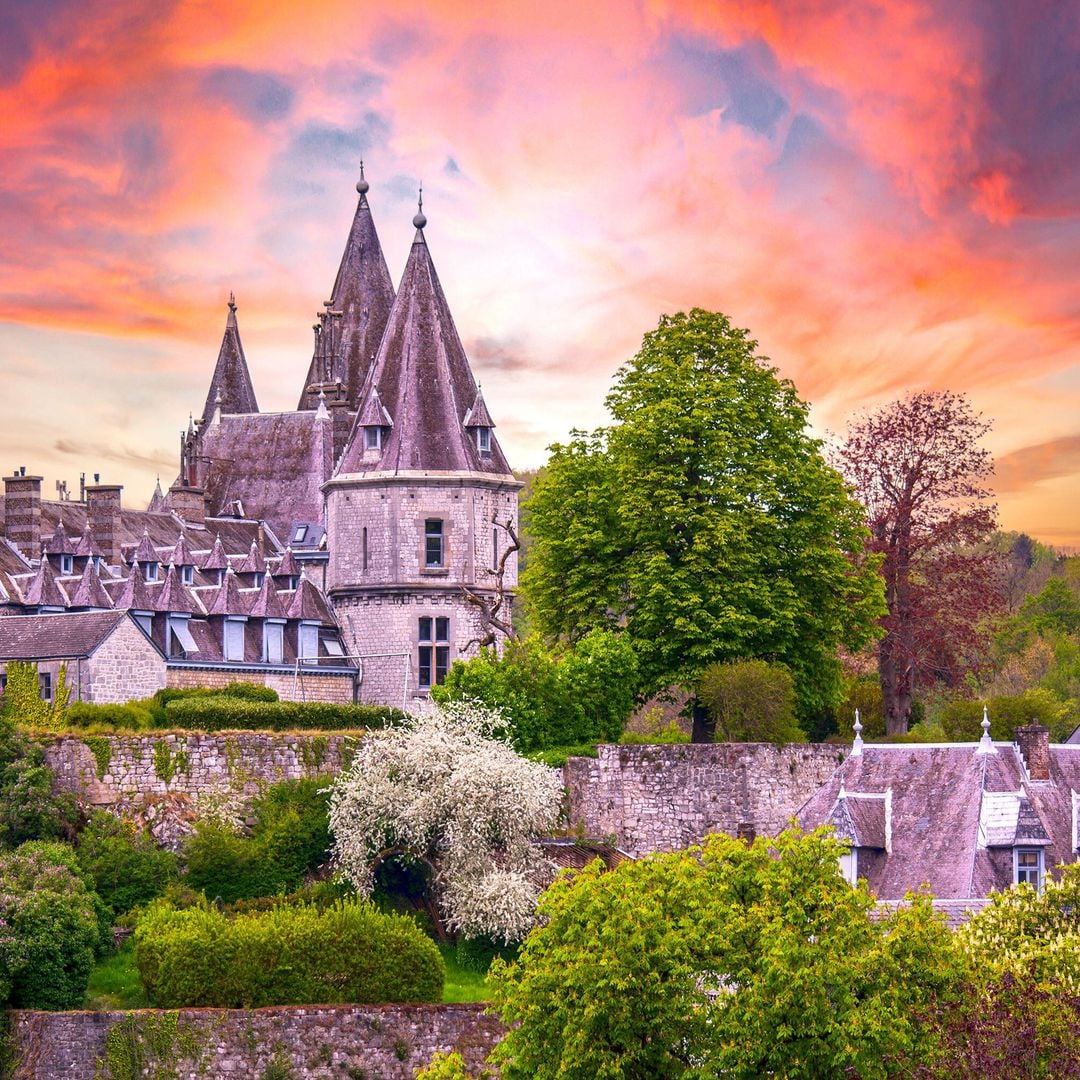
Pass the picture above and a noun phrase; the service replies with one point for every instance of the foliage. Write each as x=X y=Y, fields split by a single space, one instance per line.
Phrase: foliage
x=22 y=700
x=114 y=982
x=49 y=929
x=290 y=838
x=918 y=469
x=703 y=522
x=961 y=717
x=132 y=716
x=551 y=698
x=151 y=1044
x=863 y=693
x=213 y=712
x=445 y=790
x=292 y=955
x=122 y=861
x=29 y=809
x=557 y=757
x=750 y=701
x=667 y=735
x=450 y=1067
x=726 y=960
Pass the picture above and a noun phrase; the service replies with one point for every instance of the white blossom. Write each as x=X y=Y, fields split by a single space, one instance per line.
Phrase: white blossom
x=444 y=788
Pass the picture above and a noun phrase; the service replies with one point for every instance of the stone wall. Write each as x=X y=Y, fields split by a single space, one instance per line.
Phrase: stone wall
x=304 y=686
x=124 y=667
x=662 y=798
x=386 y=1042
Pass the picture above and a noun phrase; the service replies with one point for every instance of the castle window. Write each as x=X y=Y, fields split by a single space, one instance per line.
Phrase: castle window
x=433 y=542
x=179 y=637
x=150 y=571
x=434 y=654
x=234 y=639
x=373 y=438
x=849 y=866
x=483 y=440
x=365 y=547
x=1028 y=867
x=309 y=640
x=45 y=685
x=66 y=564
x=273 y=642
x=187 y=575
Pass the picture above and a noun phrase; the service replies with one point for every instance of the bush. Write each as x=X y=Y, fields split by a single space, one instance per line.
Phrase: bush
x=134 y=716
x=289 y=956
x=290 y=837
x=672 y=733
x=214 y=712
x=29 y=810
x=124 y=864
x=750 y=701
x=961 y=717
x=49 y=929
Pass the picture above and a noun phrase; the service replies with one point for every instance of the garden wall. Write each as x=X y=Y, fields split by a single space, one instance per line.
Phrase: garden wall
x=384 y=1042
x=666 y=797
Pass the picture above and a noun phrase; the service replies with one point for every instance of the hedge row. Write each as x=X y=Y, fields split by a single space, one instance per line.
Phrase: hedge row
x=214 y=713
x=150 y=712
x=288 y=956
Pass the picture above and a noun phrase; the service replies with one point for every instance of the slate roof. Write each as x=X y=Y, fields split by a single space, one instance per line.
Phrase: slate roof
x=90 y=592
x=364 y=294
x=56 y=636
x=424 y=382
x=60 y=543
x=231 y=382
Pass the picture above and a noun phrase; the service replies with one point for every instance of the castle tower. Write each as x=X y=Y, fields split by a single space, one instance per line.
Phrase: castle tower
x=230 y=388
x=423 y=506
x=348 y=332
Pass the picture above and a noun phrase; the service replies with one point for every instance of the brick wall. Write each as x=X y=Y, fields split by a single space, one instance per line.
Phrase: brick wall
x=308 y=686
x=125 y=667
x=662 y=798
x=388 y=1042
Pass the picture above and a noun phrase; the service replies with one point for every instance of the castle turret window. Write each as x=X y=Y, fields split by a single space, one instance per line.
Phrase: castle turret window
x=434 y=654
x=373 y=438
x=66 y=564
x=483 y=440
x=433 y=542
x=187 y=575
x=150 y=571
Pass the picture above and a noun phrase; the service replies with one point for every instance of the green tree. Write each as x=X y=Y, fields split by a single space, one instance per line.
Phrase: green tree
x=750 y=701
x=29 y=809
x=726 y=960
x=703 y=522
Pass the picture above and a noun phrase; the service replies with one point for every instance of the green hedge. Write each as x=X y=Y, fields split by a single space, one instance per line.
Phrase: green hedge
x=214 y=713
x=350 y=952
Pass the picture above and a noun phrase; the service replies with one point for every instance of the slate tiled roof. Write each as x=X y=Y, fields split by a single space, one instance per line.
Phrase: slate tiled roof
x=90 y=592
x=43 y=589
x=230 y=386
x=59 y=636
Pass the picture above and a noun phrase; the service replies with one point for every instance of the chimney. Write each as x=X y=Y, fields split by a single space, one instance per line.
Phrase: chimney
x=342 y=422
x=188 y=503
x=22 y=512
x=1034 y=742
x=103 y=518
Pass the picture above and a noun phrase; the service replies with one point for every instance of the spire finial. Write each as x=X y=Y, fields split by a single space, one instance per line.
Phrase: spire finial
x=986 y=744
x=362 y=186
x=857 y=745
x=419 y=220
x=322 y=413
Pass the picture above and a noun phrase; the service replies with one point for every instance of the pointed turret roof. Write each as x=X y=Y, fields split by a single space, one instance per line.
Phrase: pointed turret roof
x=44 y=590
x=90 y=593
x=217 y=559
x=478 y=416
x=157 y=500
x=174 y=596
x=136 y=593
x=181 y=554
x=288 y=566
x=268 y=605
x=231 y=382
x=373 y=414
x=364 y=294
x=228 y=600
x=60 y=543
x=88 y=546
x=424 y=382
x=254 y=563
x=145 y=552
x=308 y=603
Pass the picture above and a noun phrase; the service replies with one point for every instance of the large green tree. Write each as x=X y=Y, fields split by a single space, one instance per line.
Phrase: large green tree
x=703 y=521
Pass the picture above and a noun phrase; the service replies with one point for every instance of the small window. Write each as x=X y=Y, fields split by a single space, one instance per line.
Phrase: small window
x=150 y=570
x=66 y=564
x=258 y=576
x=373 y=438
x=273 y=642
x=45 y=684
x=433 y=542
x=1027 y=863
x=187 y=575
x=180 y=640
x=365 y=547
x=434 y=653
x=849 y=866
x=309 y=641
x=234 y=639
x=483 y=440
x=145 y=620
x=300 y=535
x=494 y=549
x=333 y=647
x=291 y=581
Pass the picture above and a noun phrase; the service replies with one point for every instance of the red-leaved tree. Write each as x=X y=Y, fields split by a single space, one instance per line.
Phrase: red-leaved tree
x=917 y=467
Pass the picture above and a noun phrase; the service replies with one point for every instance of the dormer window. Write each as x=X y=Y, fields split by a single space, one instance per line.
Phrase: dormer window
x=483 y=440
x=66 y=564
x=300 y=535
x=187 y=575
x=150 y=571
x=1028 y=867
x=258 y=576
x=373 y=438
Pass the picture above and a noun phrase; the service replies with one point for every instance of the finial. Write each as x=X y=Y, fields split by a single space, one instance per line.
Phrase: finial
x=857 y=745
x=322 y=413
x=362 y=185
x=419 y=221
x=986 y=744
x=232 y=300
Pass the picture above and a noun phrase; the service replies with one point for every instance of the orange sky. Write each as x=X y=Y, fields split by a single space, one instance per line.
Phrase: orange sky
x=886 y=194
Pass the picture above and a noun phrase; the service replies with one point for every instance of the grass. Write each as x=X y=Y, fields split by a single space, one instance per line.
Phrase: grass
x=461 y=984
x=114 y=983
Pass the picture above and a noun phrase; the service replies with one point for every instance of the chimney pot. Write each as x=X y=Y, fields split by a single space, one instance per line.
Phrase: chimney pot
x=1034 y=742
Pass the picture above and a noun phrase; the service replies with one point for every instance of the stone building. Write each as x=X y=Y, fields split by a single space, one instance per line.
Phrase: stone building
x=350 y=549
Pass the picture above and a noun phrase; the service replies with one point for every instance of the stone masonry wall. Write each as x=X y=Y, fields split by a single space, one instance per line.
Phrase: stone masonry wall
x=386 y=1042
x=306 y=686
x=125 y=667
x=662 y=798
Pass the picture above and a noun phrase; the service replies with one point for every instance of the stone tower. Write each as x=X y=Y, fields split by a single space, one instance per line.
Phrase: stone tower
x=422 y=508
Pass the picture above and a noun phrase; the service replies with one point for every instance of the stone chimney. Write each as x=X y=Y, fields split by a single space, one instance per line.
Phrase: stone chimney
x=188 y=503
x=1034 y=743
x=22 y=512
x=342 y=423
x=103 y=518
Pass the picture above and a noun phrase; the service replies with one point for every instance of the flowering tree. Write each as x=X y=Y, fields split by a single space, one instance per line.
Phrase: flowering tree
x=445 y=789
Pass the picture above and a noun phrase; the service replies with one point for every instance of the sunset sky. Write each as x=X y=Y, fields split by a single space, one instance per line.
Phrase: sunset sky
x=886 y=194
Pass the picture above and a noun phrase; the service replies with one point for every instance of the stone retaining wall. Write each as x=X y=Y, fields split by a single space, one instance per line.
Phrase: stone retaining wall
x=376 y=1042
x=662 y=798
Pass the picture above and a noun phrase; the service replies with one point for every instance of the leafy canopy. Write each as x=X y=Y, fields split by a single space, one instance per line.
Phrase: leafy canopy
x=704 y=521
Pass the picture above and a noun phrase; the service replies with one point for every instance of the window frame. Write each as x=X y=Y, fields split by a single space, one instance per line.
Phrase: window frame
x=234 y=624
x=372 y=437
x=1022 y=873
x=273 y=631
x=483 y=440
x=434 y=536
x=433 y=650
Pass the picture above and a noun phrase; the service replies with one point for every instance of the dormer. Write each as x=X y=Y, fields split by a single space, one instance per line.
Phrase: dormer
x=375 y=422
x=147 y=557
x=60 y=551
x=864 y=820
x=184 y=561
x=478 y=424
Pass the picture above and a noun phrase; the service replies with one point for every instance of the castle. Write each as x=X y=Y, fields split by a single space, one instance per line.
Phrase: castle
x=351 y=549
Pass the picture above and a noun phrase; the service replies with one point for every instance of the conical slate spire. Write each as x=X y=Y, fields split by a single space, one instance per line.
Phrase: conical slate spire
x=363 y=294
x=90 y=592
x=44 y=590
x=157 y=500
x=231 y=382
x=424 y=383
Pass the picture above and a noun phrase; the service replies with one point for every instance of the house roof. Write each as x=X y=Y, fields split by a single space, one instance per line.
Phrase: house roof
x=58 y=636
x=90 y=592
x=230 y=388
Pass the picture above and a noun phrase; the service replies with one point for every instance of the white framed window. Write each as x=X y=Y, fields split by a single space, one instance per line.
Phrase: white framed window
x=434 y=650
x=373 y=438
x=150 y=571
x=234 y=639
x=258 y=578
x=309 y=640
x=180 y=640
x=145 y=619
x=67 y=564
x=849 y=866
x=187 y=575
x=273 y=642
x=1028 y=867
x=483 y=440
x=434 y=549
x=45 y=685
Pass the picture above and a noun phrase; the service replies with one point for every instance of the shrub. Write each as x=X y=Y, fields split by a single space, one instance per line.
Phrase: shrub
x=22 y=700
x=29 y=809
x=134 y=716
x=961 y=717
x=750 y=701
x=288 y=956
x=290 y=837
x=124 y=864
x=214 y=712
x=49 y=929
x=672 y=733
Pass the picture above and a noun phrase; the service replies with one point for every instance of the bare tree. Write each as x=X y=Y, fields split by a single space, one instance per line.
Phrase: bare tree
x=494 y=621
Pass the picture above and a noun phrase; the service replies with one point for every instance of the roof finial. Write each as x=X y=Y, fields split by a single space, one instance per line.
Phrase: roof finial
x=986 y=744
x=857 y=745
x=322 y=413
x=419 y=221
x=232 y=300
x=362 y=186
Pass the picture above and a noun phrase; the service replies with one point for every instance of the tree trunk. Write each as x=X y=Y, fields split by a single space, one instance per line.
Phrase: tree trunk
x=704 y=729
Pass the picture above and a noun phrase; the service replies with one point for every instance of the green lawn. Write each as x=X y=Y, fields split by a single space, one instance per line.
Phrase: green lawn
x=114 y=983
